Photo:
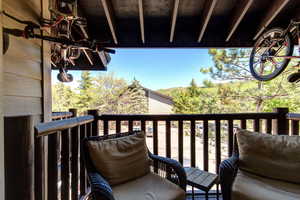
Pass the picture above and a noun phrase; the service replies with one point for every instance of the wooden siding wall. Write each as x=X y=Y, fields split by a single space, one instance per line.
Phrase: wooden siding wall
x=2 y=169
x=26 y=100
x=23 y=63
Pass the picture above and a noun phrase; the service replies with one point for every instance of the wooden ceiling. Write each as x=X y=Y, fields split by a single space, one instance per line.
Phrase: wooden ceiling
x=184 y=23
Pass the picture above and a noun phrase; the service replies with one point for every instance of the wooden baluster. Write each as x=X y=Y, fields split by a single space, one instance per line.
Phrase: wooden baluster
x=143 y=126
x=256 y=125
x=193 y=145
x=205 y=145
x=95 y=126
x=244 y=124
x=180 y=141
x=281 y=125
x=40 y=168
x=83 y=183
x=75 y=161
x=118 y=126
x=218 y=144
x=155 y=144
x=130 y=125
x=155 y=138
x=53 y=156
x=295 y=127
x=269 y=126
x=168 y=139
x=230 y=137
x=65 y=165
x=105 y=127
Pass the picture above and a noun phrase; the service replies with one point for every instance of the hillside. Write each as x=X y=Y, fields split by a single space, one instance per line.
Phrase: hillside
x=244 y=85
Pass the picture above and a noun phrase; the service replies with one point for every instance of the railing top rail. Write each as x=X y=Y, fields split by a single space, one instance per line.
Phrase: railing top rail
x=227 y=116
x=293 y=116
x=58 y=115
x=43 y=129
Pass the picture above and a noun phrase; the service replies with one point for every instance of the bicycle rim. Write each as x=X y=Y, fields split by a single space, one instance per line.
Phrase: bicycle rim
x=264 y=65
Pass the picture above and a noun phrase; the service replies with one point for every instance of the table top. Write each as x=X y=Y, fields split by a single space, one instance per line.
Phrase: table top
x=200 y=179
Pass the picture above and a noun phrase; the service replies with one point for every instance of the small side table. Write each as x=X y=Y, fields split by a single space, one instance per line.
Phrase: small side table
x=201 y=179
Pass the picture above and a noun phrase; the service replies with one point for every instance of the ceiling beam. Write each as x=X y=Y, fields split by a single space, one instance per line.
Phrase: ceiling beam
x=238 y=15
x=108 y=10
x=272 y=12
x=174 y=19
x=206 y=15
x=141 y=15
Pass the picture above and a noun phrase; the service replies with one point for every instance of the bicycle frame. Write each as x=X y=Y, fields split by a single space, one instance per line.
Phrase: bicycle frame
x=294 y=29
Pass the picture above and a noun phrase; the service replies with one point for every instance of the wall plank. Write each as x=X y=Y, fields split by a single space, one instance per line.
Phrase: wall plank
x=15 y=85
x=20 y=106
x=30 y=69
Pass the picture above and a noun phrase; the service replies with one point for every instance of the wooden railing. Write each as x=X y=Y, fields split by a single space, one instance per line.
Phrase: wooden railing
x=59 y=167
x=64 y=115
x=294 y=119
x=61 y=163
x=208 y=126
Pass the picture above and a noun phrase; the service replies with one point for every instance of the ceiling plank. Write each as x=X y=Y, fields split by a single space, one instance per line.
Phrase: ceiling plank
x=141 y=15
x=238 y=15
x=206 y=15
x=174 y=19
x=108 y=10
x=272 y=12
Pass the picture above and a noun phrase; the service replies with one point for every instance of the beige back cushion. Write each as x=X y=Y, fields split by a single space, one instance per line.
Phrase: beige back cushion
x=273 y=156
x=121 y=159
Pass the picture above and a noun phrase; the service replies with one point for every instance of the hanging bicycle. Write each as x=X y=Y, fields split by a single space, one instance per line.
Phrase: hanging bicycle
x=273 y=51
x=69 y=38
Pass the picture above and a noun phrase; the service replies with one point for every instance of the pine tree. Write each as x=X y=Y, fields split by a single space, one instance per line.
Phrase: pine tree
x=85 y=92
x=62 y=97
x=133 y=100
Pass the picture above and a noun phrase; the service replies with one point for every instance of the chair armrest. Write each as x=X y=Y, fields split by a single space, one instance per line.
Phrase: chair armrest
x=175 y=166
x=228 y=170
x=100 y=189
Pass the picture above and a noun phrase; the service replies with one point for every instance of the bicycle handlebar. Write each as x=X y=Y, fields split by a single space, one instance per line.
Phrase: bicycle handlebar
x=87 y=44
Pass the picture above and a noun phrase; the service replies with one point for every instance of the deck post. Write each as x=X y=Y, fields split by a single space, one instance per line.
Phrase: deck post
x=95 y=128
x=281 y=124
x=19 y=141
x=74 y=112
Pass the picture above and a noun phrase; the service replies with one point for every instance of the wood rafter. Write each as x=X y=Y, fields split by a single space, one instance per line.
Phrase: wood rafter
x=141 y=16
x=237 y=16
x=206 y=15
x=108 y=10
x=272 y=12
x=174 y=19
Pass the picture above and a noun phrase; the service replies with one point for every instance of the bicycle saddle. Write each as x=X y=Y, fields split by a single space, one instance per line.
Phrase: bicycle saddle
x=64 y=77
x=294 y=77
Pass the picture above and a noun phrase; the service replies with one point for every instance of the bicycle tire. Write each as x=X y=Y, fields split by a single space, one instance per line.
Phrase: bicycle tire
x=279 y=70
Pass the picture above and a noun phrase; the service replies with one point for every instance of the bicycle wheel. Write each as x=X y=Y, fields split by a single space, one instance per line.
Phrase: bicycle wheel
x=265 y=61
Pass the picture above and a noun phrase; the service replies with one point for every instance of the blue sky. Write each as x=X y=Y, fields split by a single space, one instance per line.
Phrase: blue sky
x=155 y=68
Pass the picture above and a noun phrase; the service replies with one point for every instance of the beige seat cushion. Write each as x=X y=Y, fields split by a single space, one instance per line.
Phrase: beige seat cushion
x=247 y=186
x=148 y=187
x=274 y=156
x=120 y=159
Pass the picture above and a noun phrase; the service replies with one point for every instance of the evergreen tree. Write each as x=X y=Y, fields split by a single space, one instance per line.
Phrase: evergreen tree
x=133 y=100
x=62 y=97
x=233 y=65
x=85 y=95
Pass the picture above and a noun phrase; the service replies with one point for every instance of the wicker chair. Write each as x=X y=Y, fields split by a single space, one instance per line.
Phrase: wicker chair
x=228 y=170
x=100 y=188
x=238 y=182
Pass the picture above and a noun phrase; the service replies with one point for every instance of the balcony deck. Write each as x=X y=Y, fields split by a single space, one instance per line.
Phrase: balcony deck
x=201 y=140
